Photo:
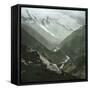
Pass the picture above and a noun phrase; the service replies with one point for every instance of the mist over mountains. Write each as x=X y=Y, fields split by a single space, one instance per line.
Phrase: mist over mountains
x=50 y=29
x=54 y=38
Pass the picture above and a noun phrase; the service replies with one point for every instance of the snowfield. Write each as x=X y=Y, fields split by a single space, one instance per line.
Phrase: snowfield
x=50 y=27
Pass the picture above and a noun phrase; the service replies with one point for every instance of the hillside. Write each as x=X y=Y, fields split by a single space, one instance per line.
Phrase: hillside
x=74 y=47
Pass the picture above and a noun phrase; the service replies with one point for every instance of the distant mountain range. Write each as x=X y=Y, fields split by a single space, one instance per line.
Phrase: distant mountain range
x=49 y=31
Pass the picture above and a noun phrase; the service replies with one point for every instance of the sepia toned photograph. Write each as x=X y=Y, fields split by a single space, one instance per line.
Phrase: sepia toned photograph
x=53 y=45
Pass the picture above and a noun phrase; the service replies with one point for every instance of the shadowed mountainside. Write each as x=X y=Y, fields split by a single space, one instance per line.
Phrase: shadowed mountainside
x=74 y=47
